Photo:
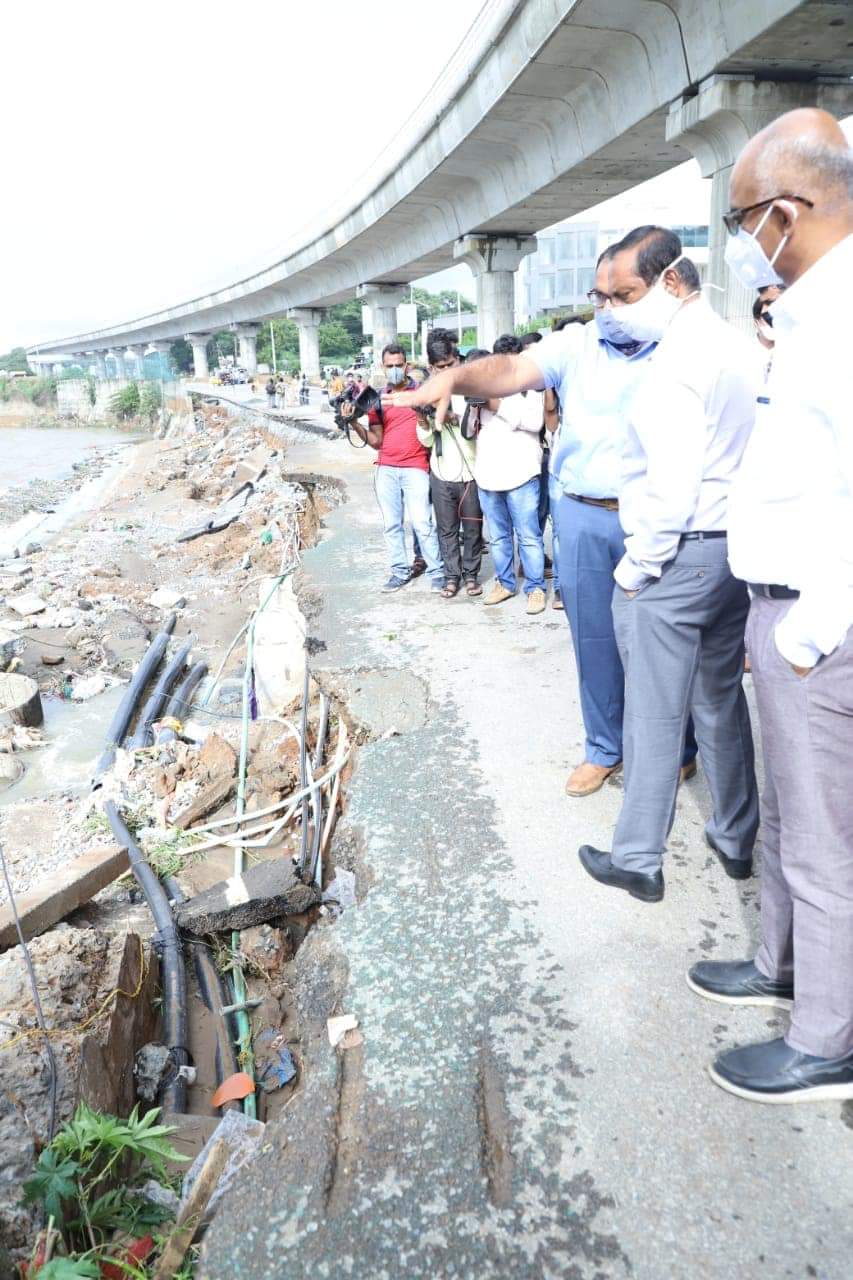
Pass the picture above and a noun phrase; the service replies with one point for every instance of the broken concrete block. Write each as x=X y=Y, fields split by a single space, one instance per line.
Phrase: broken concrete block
x=266 y=948
x=267 y=890
x=211 y=794
x=62 y=892
x=27 y=604
x=218 y=756
x=163 y=598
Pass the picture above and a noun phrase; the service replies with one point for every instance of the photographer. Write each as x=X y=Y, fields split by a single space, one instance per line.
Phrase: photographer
x=507 y=468
x=402 y=473
x=452 y=484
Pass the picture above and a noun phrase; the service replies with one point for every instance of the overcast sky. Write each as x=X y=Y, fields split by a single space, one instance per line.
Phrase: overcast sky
x=153 y=152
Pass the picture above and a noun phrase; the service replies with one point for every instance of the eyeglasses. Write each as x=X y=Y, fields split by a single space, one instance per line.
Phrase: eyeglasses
x=597 y=298
x=735 y=217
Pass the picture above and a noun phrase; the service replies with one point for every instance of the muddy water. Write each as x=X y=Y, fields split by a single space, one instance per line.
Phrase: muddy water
x=49 y=453
x=74 y=733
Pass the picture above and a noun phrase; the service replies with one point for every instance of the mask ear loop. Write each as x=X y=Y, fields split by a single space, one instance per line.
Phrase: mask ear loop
x=795 y=214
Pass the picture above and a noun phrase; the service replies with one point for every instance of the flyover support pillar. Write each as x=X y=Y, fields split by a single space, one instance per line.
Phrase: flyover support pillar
x=494 y=261
x=198 y=342
x=715 y=125
x=308 y=321
x=101 y=364
x=383 y=300
x=121 y=367
x=247 y=335
x=138 y=353
x=163 y=349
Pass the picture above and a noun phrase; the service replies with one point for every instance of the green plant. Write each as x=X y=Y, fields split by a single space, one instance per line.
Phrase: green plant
x=87 y=1179
x=125 y=403
x=150 y=401
x=172 y=854
x=68 y=1269
x=91 y=390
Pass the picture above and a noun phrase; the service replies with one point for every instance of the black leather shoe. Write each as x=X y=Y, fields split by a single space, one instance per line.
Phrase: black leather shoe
x=738 y=982
x=648 y=888
x=735 y=868
x=774 y=1072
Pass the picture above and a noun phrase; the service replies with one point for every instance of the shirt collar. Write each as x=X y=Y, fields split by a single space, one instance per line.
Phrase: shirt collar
x=808 y=295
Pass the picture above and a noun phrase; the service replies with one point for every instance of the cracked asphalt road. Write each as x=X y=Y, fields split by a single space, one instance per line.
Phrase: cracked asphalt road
x=531 y=1098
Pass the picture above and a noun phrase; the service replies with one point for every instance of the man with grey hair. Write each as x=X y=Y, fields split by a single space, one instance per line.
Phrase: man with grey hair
x=791 y=539
x=678 y=612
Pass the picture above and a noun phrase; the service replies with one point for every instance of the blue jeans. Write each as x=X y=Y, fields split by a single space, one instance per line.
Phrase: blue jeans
x=555 y=493
x=404 y=491
x=591 y=545
x=516 y=511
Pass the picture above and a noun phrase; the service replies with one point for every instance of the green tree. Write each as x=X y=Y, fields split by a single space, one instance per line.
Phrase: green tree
x=125 y=403
x=181 y=355
x=336 y=341
x=286 y=344
x=16 y=359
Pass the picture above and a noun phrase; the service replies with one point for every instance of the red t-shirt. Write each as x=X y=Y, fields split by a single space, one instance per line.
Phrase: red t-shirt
x=400 y=444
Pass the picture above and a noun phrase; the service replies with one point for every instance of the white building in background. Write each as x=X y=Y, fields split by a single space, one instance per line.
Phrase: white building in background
x=557 y=278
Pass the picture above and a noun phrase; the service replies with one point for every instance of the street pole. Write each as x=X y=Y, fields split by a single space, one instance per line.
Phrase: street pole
x=272 y=344
x=458 y=318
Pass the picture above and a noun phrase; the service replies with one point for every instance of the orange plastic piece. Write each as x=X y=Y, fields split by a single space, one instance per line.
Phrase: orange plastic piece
x=237 y=1086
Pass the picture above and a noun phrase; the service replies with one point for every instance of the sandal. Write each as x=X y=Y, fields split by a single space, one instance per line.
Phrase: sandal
x=473 y=588
x=450 y=590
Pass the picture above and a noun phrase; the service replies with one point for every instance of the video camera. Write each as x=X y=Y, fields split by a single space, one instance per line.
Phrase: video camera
x=364 y=400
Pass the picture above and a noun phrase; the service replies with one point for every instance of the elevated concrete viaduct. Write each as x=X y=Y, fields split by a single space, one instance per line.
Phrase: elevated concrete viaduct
x=547 y=108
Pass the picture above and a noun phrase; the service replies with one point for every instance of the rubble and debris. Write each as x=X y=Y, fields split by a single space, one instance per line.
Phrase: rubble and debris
x=338 y=1027
x=263 y=892
x=163 y=598
x=275 y=1065
x=20 y=701
x=242 y=1136
x=193 y=1210
x=61 y=892
x=152 y=1064
x=341 y=890
x=266 y=948
x=26 y=605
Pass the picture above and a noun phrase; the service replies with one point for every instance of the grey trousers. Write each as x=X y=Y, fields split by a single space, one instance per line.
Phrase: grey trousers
x=681 y=640
x=806 y=833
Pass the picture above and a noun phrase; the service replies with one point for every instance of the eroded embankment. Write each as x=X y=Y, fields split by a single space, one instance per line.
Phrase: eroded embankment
x=95 y=600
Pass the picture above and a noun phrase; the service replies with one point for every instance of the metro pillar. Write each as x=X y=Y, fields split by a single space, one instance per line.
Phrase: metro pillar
x=138 y=353
x=715 y=125
x=308 y=321
x=247 y=335
x=494 y=261
x=198 y=342
x=383 y=300
x=121 y=367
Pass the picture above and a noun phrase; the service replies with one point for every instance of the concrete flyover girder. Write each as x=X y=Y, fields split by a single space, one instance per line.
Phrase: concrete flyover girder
x=549 y=106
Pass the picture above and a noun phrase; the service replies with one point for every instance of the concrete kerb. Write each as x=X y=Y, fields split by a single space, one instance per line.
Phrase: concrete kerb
x=530 y=1099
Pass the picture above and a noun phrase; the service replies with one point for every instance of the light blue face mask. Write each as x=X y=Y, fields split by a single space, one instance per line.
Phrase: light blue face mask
x=396 y=374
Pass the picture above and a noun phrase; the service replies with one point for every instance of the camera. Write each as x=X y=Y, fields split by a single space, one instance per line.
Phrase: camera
x=363 y=400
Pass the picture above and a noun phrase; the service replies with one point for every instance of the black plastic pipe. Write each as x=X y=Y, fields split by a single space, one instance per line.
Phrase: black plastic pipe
x=213 y=993
x=143 y=737
x=167 y=942
x=181 y=699
x=124 y=712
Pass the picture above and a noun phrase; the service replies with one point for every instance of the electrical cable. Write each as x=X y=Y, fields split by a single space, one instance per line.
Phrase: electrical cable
x=28 y=961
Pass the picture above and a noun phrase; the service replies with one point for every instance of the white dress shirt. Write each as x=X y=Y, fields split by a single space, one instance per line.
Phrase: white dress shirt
x=688 y=424
x=791 y=519
x=509 y=452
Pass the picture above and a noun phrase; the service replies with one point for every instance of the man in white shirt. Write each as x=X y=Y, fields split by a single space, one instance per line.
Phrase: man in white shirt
x=678 y=612
x=791 y=539
x=507 y=468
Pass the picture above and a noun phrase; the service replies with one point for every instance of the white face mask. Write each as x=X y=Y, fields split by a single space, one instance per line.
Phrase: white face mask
x=746 y=259
x=609 y=327
x=648 y=319
x=396 y=374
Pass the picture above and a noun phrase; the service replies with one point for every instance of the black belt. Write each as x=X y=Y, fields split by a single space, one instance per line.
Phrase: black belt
x=698 y=536
x=609 y=504
x=772 y=591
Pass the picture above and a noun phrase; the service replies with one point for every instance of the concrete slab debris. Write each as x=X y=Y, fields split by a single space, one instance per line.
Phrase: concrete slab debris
x=27 y=605
x=267 y=890
x=163 y=598
x=339 y=1026
x=212 y=794
x=62 y=892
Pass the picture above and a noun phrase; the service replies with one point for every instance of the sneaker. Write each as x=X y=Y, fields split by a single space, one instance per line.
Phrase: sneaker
x=394 y=583
x=536 y=600
x=498 y=594
x=557 y=602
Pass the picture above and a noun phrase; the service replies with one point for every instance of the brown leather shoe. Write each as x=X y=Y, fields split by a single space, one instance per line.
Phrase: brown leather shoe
x=498 y=594
x=588 y=778
x=687 y=772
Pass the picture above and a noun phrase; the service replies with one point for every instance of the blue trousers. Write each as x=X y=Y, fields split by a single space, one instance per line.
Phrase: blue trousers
x=591 y=545
x=515 y=511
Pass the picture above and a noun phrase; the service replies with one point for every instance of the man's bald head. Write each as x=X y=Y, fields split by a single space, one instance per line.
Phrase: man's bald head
x=803 y=154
